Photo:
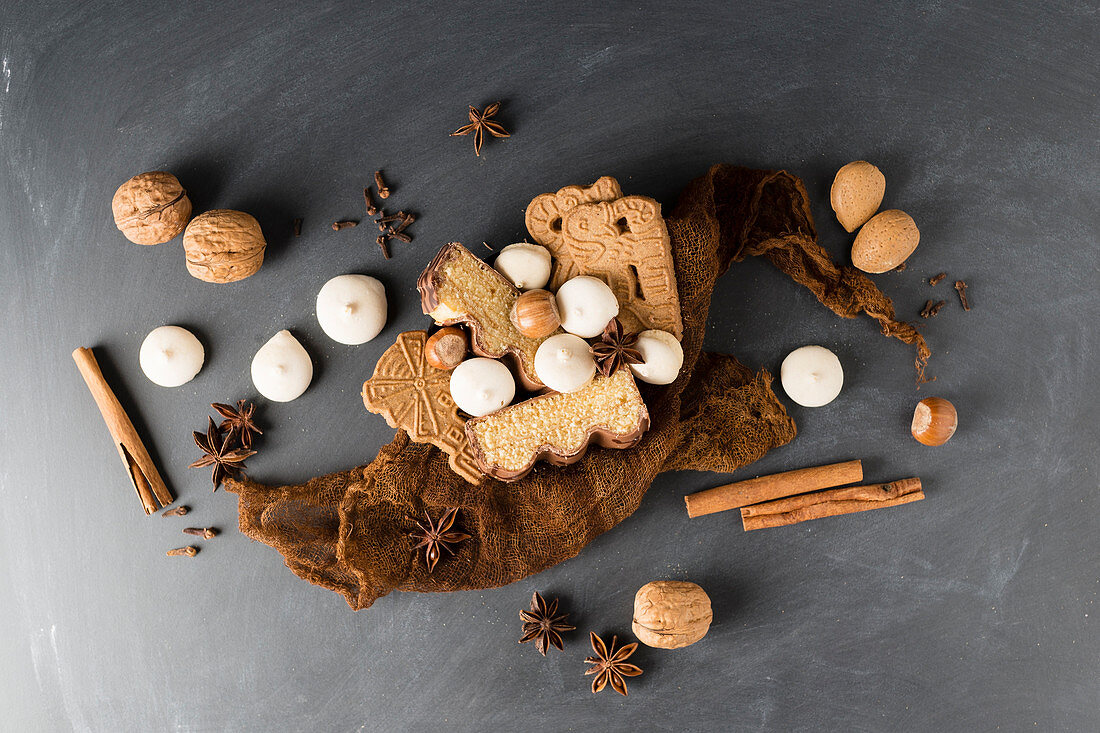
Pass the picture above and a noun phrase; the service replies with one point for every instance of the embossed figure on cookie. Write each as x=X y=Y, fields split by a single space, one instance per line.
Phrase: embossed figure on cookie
x=544 y=221
x=415 y=397
x=625 y=243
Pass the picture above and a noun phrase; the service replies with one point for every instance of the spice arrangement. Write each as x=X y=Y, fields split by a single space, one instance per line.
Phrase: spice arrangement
x=548 y=367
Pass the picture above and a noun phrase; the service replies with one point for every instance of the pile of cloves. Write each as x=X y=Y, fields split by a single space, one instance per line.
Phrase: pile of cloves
x=205 y=533
x=932 y=307
x=391 y=226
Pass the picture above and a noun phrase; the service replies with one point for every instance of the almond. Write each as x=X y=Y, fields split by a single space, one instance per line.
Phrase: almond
x=856 y=193
x=885 y=241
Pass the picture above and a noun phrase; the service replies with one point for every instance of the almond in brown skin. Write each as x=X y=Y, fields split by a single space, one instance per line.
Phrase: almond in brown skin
x=223 y=246
x=857 y=193
x=885 y=241
x=670 y=614
x=151 y=208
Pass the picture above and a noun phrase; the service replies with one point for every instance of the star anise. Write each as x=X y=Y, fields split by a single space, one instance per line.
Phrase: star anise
x=615 y=348
x=543 y=625
x=238 y=421
x=223 y=453
x=480 y=122
x=437 y=536
x=610 y=665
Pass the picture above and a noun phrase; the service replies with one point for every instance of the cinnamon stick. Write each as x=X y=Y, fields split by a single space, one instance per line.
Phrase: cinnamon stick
x=139 y=465
x=832 y=503
x=775 y=486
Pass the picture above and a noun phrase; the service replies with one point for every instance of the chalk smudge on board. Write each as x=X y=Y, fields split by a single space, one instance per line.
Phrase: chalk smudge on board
x=5 y=77
x=46 y=659
x=591 y=61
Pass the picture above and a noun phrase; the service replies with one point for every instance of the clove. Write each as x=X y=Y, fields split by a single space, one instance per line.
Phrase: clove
x=405 y=222
x=935 y=279
x=960 y=286
x=382 y=243
x=297 y=226
x=932 y=308
x=384 y=220
x=383 y=191
x=177 y=511
x=371 y=208
x=207 y=533
x=190 y=551
x=344 y=224
x=400 y=236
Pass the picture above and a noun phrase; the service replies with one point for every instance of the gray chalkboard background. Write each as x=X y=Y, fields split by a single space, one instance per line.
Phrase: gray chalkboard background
x=973 y=610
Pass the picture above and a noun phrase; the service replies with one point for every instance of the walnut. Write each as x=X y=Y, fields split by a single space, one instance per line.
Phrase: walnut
x=223 y=246
x=669 y=614
x=151 y=208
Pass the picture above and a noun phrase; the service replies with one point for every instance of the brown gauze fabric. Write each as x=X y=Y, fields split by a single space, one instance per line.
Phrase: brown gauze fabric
x=349 y=531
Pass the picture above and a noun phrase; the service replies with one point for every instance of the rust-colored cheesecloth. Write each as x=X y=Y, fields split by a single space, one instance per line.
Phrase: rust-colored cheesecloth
x=349 y=531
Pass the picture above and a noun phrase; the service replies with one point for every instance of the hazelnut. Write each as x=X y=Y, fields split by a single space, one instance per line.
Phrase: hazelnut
x=535 y=314
x=151 y=208
x=669 y=614
x=446 y=348
x=934 y=421
x=223 y=246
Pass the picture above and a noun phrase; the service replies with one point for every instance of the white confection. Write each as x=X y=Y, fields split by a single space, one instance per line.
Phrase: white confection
x=564 y=363
x=812 y=376
x=526 y=265
x=352 y=308
x=482 y=386
x=662 y=357
x=281 y=369
x=586 y=305
x=171 y=356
